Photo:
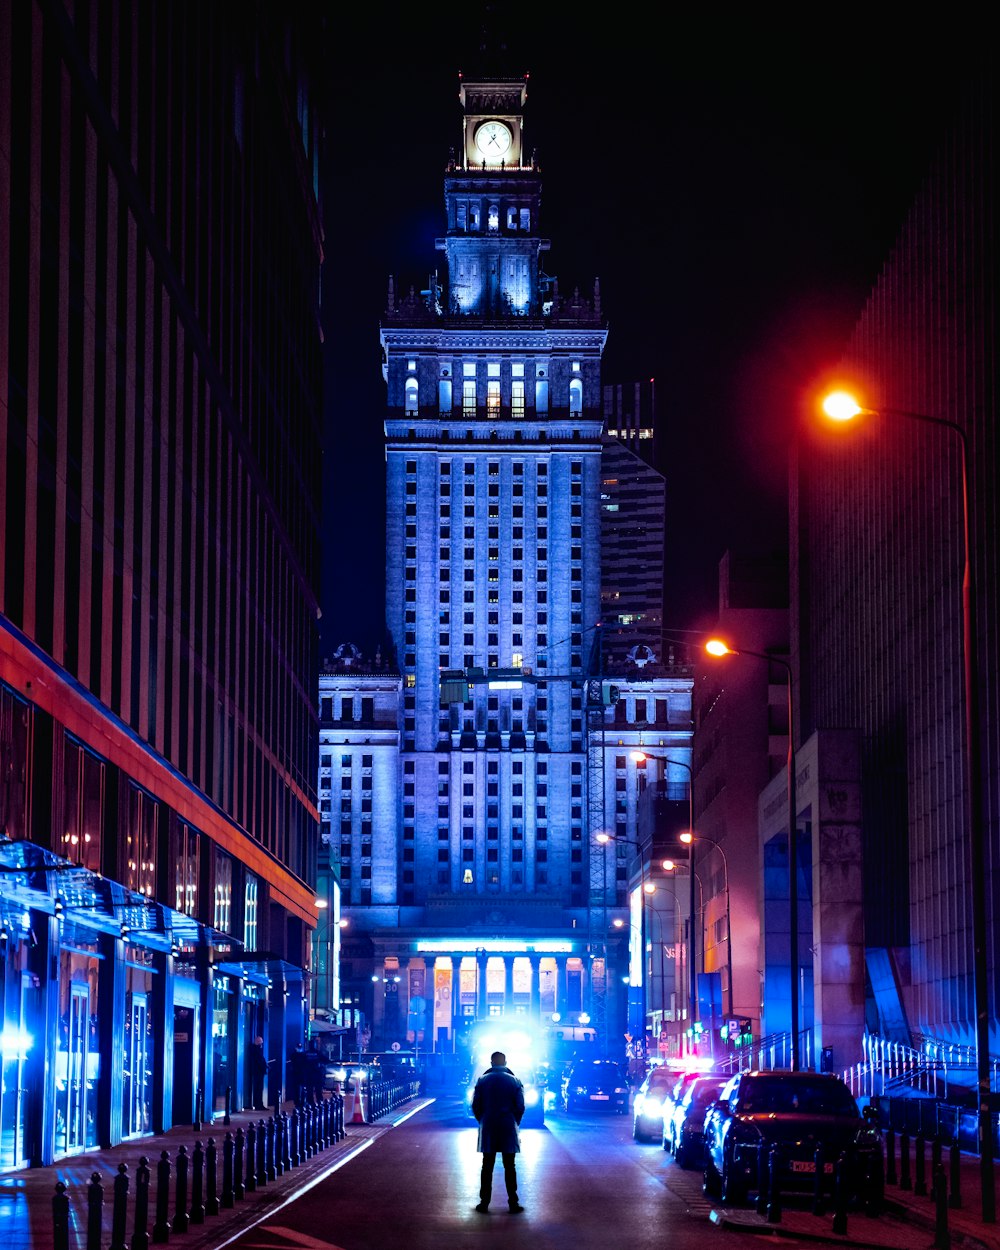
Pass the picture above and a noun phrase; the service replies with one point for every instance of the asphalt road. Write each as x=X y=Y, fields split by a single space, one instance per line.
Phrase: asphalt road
x=583 y=1181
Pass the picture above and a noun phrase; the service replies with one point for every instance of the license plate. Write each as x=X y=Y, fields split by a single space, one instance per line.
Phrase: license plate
x=599 y=1097
x=807 y=1165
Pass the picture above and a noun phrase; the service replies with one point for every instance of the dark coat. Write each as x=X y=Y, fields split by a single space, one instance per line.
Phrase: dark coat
x=498 y=1104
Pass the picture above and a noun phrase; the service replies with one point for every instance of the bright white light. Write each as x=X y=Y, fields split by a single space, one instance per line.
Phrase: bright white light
x=840 y=406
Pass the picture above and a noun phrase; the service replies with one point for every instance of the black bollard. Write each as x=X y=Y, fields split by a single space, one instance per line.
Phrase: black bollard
x=251 y=1154
x=920 y=1162
x=819 y=1206
x=269 y=1163
x=119 y=1208
x=955 y=1160
x=935 y=1161
x=140 y=1224
x=261 y=1153
x=773 y=1186
x=227 y=1200
x=181 y=1220
x=890 y=1157
x=875 y=1187
x=211 y=1178
x=942 y=1237
x=762 y=1184
x=60 y=1218
x=197 y=1213
x=227 y=1119
x=196 y=1122
x=239 y=1153
x=293 y=1137
x=304 y=1150
x=161 y=1229
x=905 y=1181
x=95 y=1211
x=840 y=1186
x=279 y=1153
x=286 y=1161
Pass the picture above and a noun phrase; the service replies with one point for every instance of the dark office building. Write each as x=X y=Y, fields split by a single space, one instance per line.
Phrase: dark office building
x=160 y=245
x=878 y=553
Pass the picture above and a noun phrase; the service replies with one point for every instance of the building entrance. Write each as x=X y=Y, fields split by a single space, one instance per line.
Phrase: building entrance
x=13 y=1094
x=186 y=1033
x=76 y=1076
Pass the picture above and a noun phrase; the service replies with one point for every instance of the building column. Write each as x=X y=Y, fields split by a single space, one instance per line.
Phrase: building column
x=562 y=989
x=482 y=1011
x=535 y=1008
x=508 y=985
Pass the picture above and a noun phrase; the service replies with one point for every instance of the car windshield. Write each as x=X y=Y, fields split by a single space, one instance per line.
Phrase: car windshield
x=704 y=1092
x=763 y=1094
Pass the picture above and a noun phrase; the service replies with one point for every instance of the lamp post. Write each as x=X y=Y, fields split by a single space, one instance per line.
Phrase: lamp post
x=603 y=839
x=668 y=865
x=701 y=837
x=841 y=406
x=639 y=756
x=717 y=647
x=650 y=889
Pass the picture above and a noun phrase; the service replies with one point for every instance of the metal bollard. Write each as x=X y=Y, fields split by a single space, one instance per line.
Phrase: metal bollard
x=890 y=1156
x=269 y=1167
x=227 y=1119
x=60 y=1218
x=227 y=1199
x=95 y=1211
x=181 y=1219
x=942 y=1237
x=293 y=1137
x=261 y=1153
x=161 y=1229
x=819 y=1206
x=955 y=1161
x=904 y=1161
x=762 y=1178
x=251 y=1155
x=119 y=1208
x=211 y=1178
x=773 y=1186
x=304 y=1150
x=239 y=1152
x=279 y=1162
x=920 y=1160
x=286 y=1160
x=935 y=1161
x=840 y=1175
x=140 y=1224
x=198 y=1103
x=197 y=1212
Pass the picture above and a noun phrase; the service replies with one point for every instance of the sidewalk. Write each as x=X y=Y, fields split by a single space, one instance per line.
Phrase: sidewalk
x=26 y=1196
x=908 y=1221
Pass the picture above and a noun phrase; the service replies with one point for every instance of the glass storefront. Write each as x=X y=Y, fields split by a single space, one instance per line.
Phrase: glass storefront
x=139 y=1054
x=223 y=1007
x=15 y=1044
x=78 y=1056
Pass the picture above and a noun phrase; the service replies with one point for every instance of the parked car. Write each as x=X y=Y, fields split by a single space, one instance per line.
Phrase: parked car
x=682 y=1082
x=683 y=1132
x=800 y=1113
x=595 y=1083
x=534 y=1098
x=647 y=1106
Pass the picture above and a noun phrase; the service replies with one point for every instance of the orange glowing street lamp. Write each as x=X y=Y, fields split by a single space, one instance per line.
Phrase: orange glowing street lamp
x=843 y=405
x=718 y=648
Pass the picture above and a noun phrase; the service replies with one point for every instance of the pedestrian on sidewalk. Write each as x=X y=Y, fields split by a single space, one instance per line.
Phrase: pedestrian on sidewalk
x=258 y=1070
x=498 y=1105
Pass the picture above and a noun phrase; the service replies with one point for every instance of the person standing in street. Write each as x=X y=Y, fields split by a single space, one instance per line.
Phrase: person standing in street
x=258 y=1070
x=498 y=1105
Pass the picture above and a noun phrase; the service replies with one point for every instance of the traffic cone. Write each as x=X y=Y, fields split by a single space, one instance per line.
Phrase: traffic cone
x=358 y=1115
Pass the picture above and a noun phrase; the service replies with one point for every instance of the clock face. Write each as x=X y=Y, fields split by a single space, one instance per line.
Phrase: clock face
x=493 y=139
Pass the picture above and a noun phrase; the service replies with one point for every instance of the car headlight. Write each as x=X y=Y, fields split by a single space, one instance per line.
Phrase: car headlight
x=651 y=1106
x=619 y=1089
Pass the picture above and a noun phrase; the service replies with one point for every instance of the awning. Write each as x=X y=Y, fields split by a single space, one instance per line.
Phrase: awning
x=260 y=967
x=32 y=877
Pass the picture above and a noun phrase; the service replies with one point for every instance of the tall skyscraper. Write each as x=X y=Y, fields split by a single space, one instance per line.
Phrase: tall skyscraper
x=471 y=885
x=160 y=244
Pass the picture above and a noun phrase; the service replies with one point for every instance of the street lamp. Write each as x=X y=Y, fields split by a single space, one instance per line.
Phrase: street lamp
x=669 y=866
x=639 y=757
x=701 y=837
x=603 y=839
x=843 y=406
x=651 y=888
x=718 y=648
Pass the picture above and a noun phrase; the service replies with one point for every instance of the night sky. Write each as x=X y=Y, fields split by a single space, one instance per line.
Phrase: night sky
x=735 y=185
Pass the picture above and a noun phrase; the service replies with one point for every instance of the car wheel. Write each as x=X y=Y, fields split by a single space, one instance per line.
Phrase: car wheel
x=733 y=1190
x=681 y=1156
x=665 y=1143
x=711 y=1182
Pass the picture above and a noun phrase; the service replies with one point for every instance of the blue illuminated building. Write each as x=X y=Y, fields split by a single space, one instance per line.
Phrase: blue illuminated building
x=463 y=778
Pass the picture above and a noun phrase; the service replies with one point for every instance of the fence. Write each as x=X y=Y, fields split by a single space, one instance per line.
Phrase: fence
x=195 y=1186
